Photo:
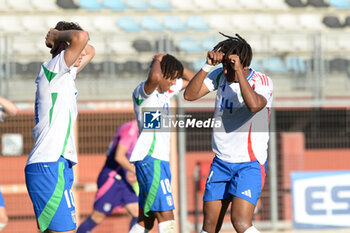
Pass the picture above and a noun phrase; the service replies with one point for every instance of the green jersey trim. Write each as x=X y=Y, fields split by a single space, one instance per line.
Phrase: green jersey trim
x=154 y=188
x=53 y=99
x=151 y=149
x=52 y=205
x=218 y=78
x=49 y=75
x=137 y=100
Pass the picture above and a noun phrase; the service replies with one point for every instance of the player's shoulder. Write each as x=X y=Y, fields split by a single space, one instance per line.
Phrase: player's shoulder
x=215 y=76
x=56 y=65
x=176 y=88
x=262 y=78
x=138 y=91
x=123 y=129
x=130 y=125
x=128 y=130
x=216 y=73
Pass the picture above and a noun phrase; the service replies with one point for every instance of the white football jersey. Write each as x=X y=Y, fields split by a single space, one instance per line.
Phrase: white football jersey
x=243 y=135
x=155 y=143
x=55 y=112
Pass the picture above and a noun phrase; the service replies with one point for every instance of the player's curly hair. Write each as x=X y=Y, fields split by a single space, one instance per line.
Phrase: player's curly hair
x=64 y=26
x=171 y=67
x=235 y=45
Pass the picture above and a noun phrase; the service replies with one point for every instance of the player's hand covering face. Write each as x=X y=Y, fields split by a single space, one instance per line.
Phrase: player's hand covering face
x=50 y=37
x=215 y=57
x=231 y=66
x=234 y=62
x=51 y=42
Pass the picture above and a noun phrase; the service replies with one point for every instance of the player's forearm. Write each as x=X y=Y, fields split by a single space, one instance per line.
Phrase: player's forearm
x=9 y=108
x=253 y=100
x=193 y=88
x=154 y=77
x=155 y=73
x=90 y=53
x=90 y=50
x=187 y=74
x=72 y=36
x=125 y=163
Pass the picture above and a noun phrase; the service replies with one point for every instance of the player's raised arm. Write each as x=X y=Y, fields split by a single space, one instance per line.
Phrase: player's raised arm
x=73 y=41
x=155 y=74
x=254 y=101
x=196 y=88
x=8 y=108
x=186 y=77
x=89 y=54
x=122 y=160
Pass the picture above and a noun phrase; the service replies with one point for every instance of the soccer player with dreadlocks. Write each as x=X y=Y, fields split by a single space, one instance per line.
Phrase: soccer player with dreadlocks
x=243 y=102
x=167 y=77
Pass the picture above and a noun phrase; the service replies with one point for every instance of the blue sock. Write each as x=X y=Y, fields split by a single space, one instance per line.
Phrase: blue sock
x=87 y=225
x=132 y=222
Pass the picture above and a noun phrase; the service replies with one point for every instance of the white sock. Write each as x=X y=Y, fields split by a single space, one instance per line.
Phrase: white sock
x=203 y=231
x=166 y=226
x=2 y=226
x=252 y=229
x=137 y=228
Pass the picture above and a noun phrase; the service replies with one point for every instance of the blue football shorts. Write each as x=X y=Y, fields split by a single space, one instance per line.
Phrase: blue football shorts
x=49 y=187
x=154 y=179
x=244 y=180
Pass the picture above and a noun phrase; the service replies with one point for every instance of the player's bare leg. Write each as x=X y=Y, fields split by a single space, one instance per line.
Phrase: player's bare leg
x=146 y=222
x=164 y=215
x=166 y=222
x=242 y=212
x=214 y=212
x=97 y=216
x=3 y=217
x=133 y=210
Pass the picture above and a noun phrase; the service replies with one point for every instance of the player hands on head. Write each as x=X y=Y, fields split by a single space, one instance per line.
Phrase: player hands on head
x=165 y=75
x=166 y=78
x=49 y=172
x=243 y=102
x=64 y=36
x=235 y=54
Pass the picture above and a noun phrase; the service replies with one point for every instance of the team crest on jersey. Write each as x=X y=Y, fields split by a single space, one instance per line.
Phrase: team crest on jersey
x=74 y=218
x=170 y=200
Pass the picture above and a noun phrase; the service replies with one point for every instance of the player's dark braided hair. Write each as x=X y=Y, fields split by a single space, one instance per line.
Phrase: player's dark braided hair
x=235 y=45
x=170 y=65
x=63 y=26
